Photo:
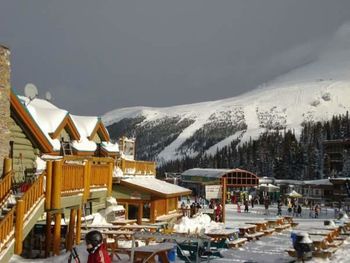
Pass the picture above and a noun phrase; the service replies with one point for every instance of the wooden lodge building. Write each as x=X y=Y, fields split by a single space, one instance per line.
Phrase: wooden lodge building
x=58 y=164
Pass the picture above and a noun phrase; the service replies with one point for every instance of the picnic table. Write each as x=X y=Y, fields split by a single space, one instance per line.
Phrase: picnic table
x=219 y=234
x=123 y=222
x=260 y=225
x=319 y=241
x=149 y=253
x=99 y=227
x=249 y=232
x=149 y=228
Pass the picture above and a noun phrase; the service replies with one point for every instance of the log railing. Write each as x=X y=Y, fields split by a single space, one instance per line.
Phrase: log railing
x=5 y=186
x=33 y=194
x=73 y=177
x=7 y=227
x=138 y=167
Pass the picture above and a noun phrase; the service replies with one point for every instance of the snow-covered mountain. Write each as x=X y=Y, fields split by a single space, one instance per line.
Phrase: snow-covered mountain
x=313 y=92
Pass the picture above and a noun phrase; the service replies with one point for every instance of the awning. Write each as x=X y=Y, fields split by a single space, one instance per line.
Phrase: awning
x=155 y=186
x=269 y=187
x=295 y=194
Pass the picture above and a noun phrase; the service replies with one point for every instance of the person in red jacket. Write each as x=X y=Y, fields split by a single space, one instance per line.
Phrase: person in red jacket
x=96 y=248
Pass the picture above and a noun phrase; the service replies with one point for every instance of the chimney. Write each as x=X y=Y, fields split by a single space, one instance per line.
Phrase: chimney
x=4 y=104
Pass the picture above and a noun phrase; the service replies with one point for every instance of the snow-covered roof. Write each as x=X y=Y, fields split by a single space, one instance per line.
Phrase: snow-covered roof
x=49 y=118
x=85 y=124
x=154 y=185
x=211 y=173
x=318 y=182
x=110 y=147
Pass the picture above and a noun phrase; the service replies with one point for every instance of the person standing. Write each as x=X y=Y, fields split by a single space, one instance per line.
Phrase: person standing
x=246 y=206
x=279 y=208
x=96 y=248
x=299 y=210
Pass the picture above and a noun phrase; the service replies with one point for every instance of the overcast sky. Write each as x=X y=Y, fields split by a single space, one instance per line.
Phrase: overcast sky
x=95 y=56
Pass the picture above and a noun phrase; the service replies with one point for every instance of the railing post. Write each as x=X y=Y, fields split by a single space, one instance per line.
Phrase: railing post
x=19 y=227
x=48 y=192
x=78 y=226
x=87 y=179
x=110 y=178
x=56 y=185
x=7 y=166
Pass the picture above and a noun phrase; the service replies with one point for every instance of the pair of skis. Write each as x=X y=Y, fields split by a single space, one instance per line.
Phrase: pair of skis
x=74 y=257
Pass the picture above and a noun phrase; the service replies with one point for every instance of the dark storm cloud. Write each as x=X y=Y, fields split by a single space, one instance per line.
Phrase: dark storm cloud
x=95 y=56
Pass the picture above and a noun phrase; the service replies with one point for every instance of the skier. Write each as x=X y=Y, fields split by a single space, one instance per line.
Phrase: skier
x=97 y=250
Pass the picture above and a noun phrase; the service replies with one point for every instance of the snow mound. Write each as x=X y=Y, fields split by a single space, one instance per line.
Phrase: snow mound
x=200 y=223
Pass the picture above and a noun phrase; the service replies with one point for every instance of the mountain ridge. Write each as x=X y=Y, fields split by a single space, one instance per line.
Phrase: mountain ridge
x=313 y=92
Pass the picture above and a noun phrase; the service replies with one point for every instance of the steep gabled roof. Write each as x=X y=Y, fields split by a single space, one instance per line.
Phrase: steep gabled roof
x=21 y=114
x=101 y=130
x=51 y=121
x=67 y=124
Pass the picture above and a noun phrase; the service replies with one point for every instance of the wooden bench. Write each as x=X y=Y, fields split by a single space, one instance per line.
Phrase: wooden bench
x=280 y=228
x=253 y=236
x=335 y=243
x=269 y=231
x=237 y=242
x=325 y=253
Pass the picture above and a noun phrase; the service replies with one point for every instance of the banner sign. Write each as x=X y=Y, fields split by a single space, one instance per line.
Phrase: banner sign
x=213 y=192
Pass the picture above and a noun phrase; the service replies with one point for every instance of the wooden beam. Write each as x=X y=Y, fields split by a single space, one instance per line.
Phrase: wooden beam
x=224 y=189
x=48 y=237
x=70 y=238
x=56 y=185
x=48 y=192
x=110 y=179
x=57 y=235
x=152 y=216
x=78 y=226
x=140 y=214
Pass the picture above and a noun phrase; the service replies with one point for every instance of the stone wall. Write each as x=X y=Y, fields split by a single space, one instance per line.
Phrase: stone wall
x=4 y=103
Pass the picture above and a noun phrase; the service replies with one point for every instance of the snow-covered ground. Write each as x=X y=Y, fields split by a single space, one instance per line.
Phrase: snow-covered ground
x=270 y=249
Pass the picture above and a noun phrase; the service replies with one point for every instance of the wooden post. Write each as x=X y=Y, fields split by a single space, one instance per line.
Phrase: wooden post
x=152 y=217
x=70 y=239
x=224 y=189
x=78 y=226
x=110 y=178
x=126 y=211
x=48 y=239
x=87 y=179
x=166 y=206
x=57 y=234
x=56 y=185
x=140 y=214
x=19 y=227
x=48 y=193
x=7 y=166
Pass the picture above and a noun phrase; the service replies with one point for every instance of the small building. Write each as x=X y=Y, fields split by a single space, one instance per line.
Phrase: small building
x=146 y=198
